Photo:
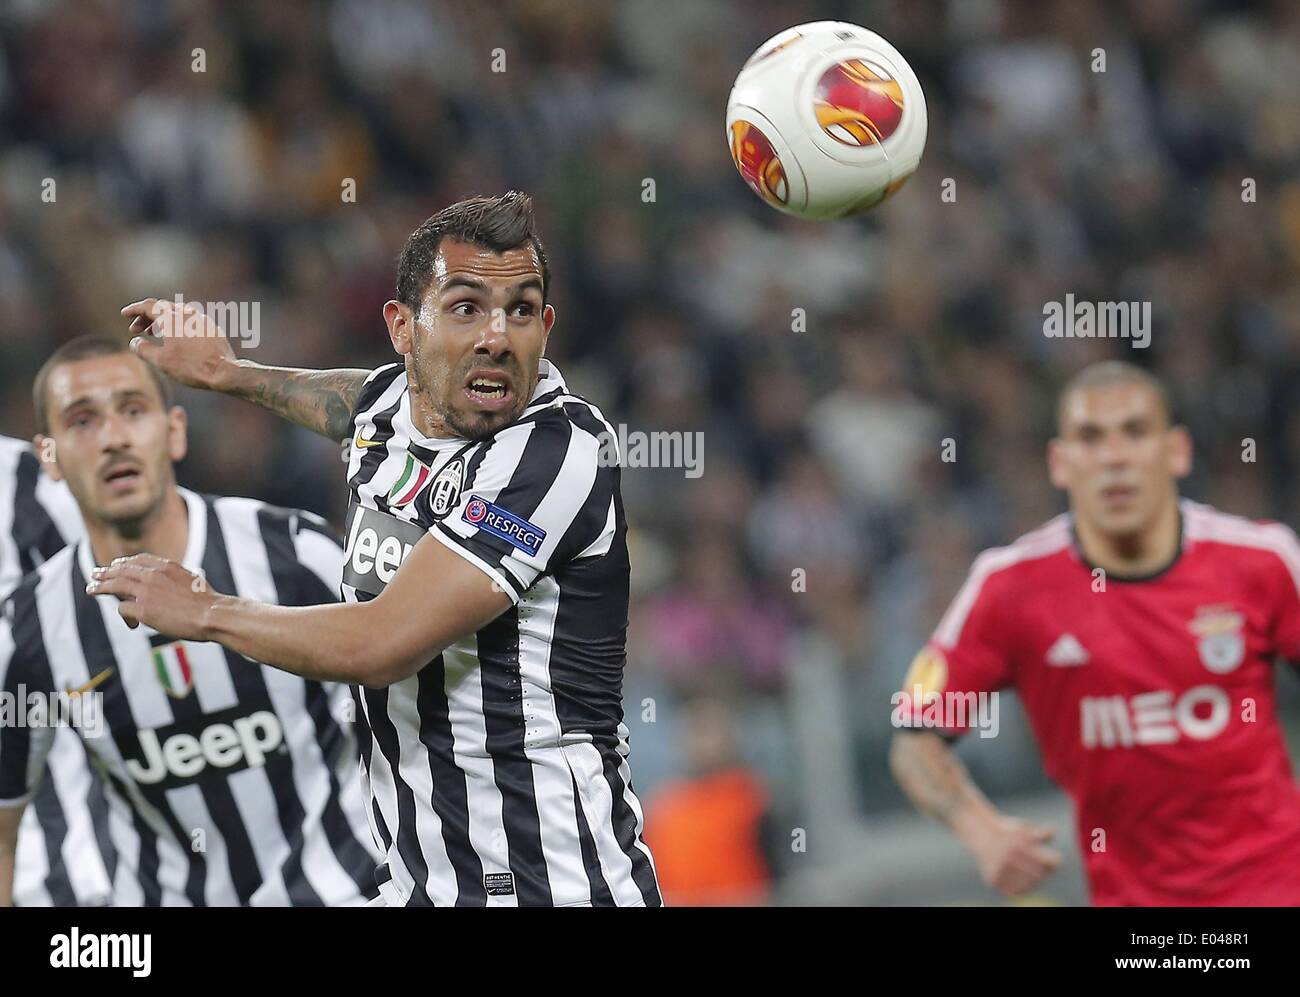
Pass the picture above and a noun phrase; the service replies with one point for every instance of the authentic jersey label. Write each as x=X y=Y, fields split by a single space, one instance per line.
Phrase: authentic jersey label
x=499 y=884
x=377 y=545
x=514 y=530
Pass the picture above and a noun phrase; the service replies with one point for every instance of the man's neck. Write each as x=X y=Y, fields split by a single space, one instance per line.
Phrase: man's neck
x=164 y=532
x=1134 y=555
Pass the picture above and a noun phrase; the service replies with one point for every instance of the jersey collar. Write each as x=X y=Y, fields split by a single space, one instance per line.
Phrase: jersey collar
x=1179 y=548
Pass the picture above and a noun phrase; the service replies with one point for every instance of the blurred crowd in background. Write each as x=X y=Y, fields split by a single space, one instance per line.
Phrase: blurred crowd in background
x=825 y=511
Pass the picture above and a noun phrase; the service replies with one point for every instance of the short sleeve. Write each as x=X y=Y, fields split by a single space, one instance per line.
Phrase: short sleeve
x=538 y=494
x=26 y=704
x=1285 y=591
x=968 y=655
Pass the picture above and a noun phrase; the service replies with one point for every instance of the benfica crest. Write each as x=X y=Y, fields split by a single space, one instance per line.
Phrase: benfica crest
x=1221 y=643
x=173 y=668
x=408 y=484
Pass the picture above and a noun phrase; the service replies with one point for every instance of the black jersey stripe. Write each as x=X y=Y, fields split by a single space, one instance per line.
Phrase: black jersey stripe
x=406 y=837
x=297 y=585
x=600 y=892
x=450 y=797
x=503 y=716
x=374 y=456
x=33 y=666
x=624 y=825
x=34 y=529
x=98 y=805
x=120 y=722
x=54 y=828
x=250 y=688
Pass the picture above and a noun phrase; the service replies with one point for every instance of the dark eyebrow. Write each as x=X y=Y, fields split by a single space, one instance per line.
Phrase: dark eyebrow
x=474 y=284
x=118 y=396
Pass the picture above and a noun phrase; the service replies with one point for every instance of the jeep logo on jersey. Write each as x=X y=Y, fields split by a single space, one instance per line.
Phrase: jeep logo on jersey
x=1153 y=717
x=444 y=493
x=1221 y=644
x=514 y=530
x=228 y=741
x=377 y=545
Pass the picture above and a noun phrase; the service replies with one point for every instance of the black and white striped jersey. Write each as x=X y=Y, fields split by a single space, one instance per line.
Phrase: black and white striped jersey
x=229 y=782
x=38 y=515
x=64 y=855
x=498 y=773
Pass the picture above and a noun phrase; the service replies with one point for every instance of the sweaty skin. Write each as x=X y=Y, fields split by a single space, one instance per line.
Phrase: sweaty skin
x=472 y=354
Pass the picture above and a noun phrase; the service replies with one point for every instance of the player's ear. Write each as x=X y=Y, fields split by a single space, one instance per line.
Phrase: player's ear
x=1056 y=464
x=1180 y=451
x=548 y=320
x=401 y=326
x=178 y=441
x=47 y=454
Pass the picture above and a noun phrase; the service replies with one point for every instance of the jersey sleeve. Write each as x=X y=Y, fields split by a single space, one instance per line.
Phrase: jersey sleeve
x=539 y=494
x=26 y=728
x=1285 y=592
x=969 y=653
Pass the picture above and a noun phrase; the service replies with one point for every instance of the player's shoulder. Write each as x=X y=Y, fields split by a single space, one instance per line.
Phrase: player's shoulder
x=383 y=384
x=51 y=576
x=1027 y=552
x=11 y=448
x=1206 y=525
x=254 y=517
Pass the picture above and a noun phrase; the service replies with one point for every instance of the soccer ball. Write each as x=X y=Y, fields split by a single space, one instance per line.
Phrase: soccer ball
x=825 y=120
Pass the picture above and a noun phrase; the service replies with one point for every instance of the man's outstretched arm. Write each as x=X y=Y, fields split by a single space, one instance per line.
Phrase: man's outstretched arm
x=1013 y=855
x=191 y=349
x=435 y=598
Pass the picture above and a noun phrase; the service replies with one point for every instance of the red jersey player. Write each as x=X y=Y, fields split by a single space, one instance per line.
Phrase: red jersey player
x=1140 y=632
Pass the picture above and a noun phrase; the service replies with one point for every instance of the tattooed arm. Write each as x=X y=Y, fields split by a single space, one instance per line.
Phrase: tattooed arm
x=321 y=400
x=1012 y=854
x=189 y=348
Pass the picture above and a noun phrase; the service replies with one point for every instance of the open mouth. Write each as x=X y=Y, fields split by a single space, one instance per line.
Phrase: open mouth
x=1119 y=493
x=488 y=391
x=122 y=477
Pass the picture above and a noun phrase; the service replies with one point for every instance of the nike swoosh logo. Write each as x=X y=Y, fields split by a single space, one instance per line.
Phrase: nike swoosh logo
x=98 y=680
x=363 y=444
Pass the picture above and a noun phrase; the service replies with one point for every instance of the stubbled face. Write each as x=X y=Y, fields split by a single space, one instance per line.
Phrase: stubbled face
x=473 y=347
x=114 y=442
x=1118 y=457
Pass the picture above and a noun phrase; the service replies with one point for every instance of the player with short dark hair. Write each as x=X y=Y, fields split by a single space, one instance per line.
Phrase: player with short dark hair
x=229 y=783
x=487 y=579
x=1140 y=632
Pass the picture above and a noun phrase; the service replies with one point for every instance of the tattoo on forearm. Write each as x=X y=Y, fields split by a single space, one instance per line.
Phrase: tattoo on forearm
x=321 y=400
x=933 y=777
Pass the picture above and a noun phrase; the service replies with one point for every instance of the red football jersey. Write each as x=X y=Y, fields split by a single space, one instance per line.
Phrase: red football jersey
x=1152 y=701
